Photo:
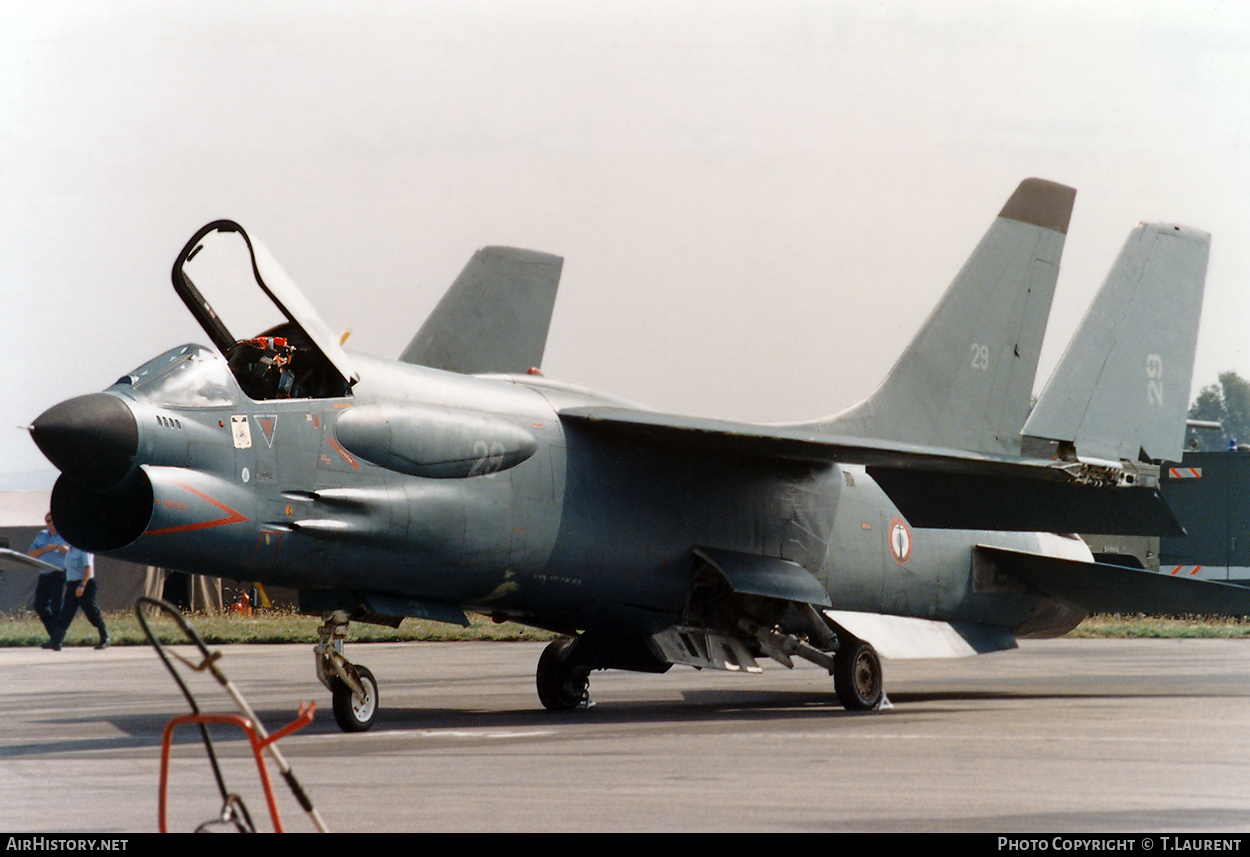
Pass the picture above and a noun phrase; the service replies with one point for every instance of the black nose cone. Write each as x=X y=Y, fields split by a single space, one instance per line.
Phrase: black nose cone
x=93 y=438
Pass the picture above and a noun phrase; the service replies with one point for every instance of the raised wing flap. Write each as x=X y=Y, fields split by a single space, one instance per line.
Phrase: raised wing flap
x=790 y=442
x=906 y=637
x=936 y=488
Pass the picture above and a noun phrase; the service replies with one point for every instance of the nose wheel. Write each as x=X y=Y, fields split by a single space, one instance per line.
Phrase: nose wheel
x=355 y=710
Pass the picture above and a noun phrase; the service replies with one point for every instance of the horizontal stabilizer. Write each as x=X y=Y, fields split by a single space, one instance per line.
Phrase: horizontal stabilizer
x=1104 y=588
x=495 y=316
x=905 y=637
x=937 y=488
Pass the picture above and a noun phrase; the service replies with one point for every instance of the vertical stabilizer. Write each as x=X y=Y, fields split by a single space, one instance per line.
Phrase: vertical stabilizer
x=1121 y=391
x=966 y=378
x=495 y=316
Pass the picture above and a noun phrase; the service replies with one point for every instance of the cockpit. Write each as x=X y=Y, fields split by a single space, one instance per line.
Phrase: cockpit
x=283 y=366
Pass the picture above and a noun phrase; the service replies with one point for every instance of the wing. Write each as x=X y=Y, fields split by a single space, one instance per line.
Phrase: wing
x=936 y=488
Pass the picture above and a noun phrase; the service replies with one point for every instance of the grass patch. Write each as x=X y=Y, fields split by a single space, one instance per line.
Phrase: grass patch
x=1116 y=625
x=270 y=626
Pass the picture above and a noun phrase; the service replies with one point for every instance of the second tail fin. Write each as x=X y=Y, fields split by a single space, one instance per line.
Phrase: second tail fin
x=965 y=380
x=1121 y=390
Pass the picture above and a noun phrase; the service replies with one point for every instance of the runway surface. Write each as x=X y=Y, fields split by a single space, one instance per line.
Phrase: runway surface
x=1096 y=736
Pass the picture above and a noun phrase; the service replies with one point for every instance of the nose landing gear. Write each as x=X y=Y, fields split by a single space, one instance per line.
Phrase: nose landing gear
x=353 y=688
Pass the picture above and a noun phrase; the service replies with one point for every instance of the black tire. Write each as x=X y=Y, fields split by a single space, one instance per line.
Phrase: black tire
x=857 y=676
x=351 y=712
x=561 y=686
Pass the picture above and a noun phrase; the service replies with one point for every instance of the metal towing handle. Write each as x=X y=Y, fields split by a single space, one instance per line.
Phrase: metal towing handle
x=233 y=810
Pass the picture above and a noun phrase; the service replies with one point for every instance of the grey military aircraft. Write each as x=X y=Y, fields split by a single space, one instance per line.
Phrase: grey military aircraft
x=460 y=478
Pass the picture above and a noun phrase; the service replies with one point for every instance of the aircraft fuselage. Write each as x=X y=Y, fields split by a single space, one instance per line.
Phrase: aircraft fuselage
x=280 y=491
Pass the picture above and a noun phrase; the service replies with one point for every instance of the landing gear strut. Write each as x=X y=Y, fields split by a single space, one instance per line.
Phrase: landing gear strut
x=562 y=685
x=353 y=688
x=854 y=665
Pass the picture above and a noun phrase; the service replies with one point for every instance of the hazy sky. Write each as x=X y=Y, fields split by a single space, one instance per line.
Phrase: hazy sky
x=757 y=202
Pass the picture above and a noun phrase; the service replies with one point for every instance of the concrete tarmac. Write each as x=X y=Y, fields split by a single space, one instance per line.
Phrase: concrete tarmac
x=1089 y=736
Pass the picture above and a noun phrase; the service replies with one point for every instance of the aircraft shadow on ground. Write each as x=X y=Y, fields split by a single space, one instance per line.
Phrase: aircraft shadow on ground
x=694 y=706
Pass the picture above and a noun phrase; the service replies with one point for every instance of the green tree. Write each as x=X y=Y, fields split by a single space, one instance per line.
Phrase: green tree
x=1236 y=406
x=1227 y=403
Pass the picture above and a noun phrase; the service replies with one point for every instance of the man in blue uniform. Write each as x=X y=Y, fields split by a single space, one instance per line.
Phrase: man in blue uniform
x=52 y=548
x=80 y=588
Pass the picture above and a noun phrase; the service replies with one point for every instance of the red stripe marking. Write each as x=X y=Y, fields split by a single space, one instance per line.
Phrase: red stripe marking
x=231 y=517
x=344 y=453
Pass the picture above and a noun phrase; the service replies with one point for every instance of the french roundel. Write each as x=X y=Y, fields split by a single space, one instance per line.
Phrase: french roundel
x=900 y=540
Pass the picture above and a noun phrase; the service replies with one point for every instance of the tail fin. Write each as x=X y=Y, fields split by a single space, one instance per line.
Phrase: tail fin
x=1121 y=391
x=965 y=380
x=495 y=316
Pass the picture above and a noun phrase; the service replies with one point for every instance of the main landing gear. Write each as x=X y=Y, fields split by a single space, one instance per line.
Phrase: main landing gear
x=857 y=676
x=562 y=685
x=854 y=664
x=353 y=688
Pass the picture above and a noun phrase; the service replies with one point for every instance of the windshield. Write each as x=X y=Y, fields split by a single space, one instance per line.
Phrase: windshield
x=187 y=377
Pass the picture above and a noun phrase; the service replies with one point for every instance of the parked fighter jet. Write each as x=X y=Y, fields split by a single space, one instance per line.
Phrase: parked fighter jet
x=455 y=479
